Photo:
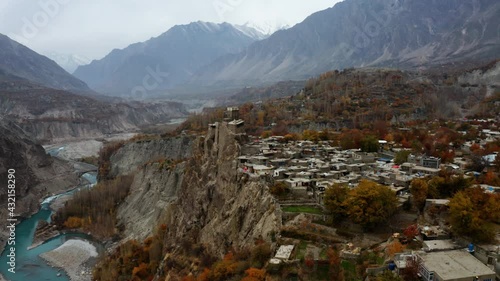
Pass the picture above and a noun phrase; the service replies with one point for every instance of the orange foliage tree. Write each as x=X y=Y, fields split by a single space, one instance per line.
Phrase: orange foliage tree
x=394 y=248
x=474 y=212
x=255 y=274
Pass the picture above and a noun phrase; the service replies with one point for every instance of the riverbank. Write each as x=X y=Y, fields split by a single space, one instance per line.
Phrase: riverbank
x=75 y=257
x=77 y=149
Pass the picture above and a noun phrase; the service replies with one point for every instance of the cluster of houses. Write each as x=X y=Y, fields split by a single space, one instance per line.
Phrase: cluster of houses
x=308 y=168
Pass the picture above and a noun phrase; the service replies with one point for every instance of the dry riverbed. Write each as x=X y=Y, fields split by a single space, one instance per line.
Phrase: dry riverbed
x=74 y=257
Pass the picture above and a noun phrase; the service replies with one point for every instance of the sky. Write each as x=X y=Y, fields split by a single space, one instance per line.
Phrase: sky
x=92 y=28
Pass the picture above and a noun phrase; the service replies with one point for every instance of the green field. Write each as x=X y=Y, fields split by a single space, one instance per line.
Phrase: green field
x=302 y=209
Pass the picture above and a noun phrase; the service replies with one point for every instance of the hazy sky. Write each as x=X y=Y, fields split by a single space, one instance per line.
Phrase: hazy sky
x=92 y=28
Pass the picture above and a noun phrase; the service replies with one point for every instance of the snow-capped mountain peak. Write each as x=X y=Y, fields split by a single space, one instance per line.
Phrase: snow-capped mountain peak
x=68 y=61
x=267 y=28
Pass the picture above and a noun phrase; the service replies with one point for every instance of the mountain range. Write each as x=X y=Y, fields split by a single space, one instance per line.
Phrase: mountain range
x=360 y=33
x=165 y=61
x=49 y=104
x=203 y=56
x=353 y=33
x=17 y=62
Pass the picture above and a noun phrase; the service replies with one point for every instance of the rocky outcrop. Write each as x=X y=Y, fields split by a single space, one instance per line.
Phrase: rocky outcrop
x=135 y=154
x=218 y=206
x=204 y=198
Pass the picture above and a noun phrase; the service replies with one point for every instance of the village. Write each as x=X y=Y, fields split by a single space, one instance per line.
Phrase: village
x=308 y=168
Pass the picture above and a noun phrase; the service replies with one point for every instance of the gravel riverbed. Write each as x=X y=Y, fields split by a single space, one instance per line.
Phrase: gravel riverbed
x=72 y=256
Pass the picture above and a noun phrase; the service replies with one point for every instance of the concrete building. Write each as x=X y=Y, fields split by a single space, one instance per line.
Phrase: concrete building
x=457 y=265
x=232 y=113
x=284 y=252
x=430 y=162
x=237 y=126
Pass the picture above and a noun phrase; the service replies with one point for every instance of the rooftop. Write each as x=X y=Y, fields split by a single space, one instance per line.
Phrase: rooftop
x=432 y=245
x=456 y=264
x=284 y=252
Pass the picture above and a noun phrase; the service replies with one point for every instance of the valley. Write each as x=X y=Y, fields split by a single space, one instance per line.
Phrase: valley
x=359 y=143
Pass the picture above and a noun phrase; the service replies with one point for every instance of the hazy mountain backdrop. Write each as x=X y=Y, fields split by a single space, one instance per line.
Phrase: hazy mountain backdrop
x=165 y=61
x=357 y=33
x=19 y=62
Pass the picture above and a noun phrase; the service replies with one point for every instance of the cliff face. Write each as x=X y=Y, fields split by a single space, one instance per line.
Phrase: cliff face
x=204 y=197
x=218 y=206
x=51 y=115
x=154 y=189
x=132 y=155
x=37 y=174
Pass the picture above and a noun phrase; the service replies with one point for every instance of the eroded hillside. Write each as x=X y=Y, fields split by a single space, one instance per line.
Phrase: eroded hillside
x=37 y=174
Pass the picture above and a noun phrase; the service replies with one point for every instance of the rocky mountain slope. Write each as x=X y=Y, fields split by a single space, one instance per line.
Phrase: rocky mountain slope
x=357 y=33
x=54 y=115
x=166 y=60
x=203 y=197
x=16 y=60
x=37 y=174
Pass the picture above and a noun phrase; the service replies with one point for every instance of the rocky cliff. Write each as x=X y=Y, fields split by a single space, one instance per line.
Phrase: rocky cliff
x=204 y=197
x=53 y=115
x=154 y=189
x=37 y=174
x=219 y=206
x=133 y=155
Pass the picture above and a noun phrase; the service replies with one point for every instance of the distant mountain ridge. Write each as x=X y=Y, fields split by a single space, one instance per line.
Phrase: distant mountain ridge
x=50 y=115
x=164 y=61
x=359 y=33
x=19 y=62
x=263 y=30
x=69 y=62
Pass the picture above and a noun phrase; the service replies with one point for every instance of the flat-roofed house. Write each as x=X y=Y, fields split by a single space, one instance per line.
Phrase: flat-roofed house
x=457 y=265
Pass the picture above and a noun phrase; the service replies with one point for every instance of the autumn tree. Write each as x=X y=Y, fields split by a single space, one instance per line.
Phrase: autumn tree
x=370 y=204
x=369 y=144
x=94 y=209
x=224 y=269
x=419 y=190
x=350 y=139
x=473 y=213
x=278 y=188
x=490 y=178
x=401 y=156
x=290 y=137
x=394 y=248
x=412 y=269
x=336 y=271
x=310 y=135
x=260 y=253
x=254 y=274
x=333 y=199
x=411 y=231
x=446 y=185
